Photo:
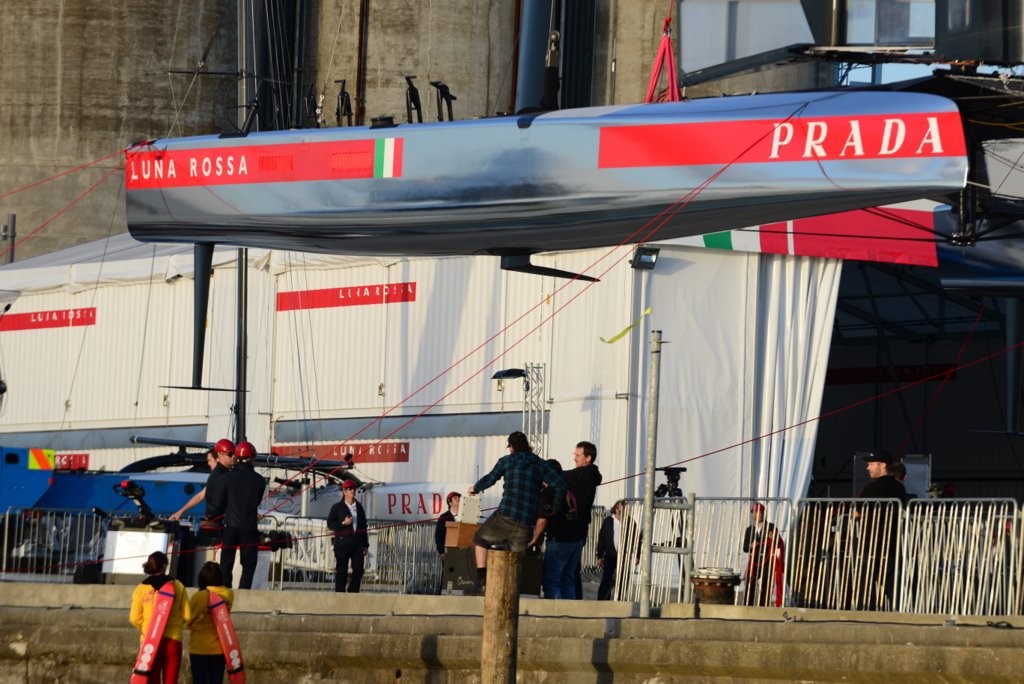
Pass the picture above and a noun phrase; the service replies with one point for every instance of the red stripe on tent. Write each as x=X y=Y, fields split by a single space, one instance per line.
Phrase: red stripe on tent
x=775 y=238
x=831 y=138
x=896 y=236
x=378 y=452
x=358 y=295
x=59 y=318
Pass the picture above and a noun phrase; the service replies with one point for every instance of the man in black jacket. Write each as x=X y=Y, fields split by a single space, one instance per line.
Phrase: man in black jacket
x=245 y=488
x=441 y=528
x=351 y=542
x=217 y=484
x=567 y=531
x=877 y=533
x=608 y=550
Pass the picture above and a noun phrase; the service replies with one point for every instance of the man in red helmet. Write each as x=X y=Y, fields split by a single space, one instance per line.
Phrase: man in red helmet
x=245 y=488
x=216 y=484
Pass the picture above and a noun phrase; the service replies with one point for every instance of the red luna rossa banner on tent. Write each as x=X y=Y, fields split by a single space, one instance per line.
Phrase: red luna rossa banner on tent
x=58 y=318
x=354 y=295
x=370 y=452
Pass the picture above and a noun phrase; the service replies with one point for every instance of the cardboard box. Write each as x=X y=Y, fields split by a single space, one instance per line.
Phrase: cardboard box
x=459 y=535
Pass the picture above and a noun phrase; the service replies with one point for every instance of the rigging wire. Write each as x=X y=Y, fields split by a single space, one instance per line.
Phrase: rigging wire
x=1010 y=442
x=302 y=318
x=651 y=231
x=200 y=67
x=842 y=409
x=145 y=333
x=330 y=66
x=504 y=78
x=644 y=233
x=945 y=379
x=66 y=172
x=94 y=294
x=61 y=212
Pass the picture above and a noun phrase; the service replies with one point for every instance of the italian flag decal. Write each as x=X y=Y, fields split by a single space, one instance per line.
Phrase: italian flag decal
x=897 y=234
x=387 y=158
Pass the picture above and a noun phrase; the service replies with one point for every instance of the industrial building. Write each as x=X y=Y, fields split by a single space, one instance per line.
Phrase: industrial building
x=757 y=346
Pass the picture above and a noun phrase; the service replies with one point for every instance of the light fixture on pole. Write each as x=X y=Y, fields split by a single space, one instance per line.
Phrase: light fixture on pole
x=534 y=410
x=509 y=373
x=644 y=258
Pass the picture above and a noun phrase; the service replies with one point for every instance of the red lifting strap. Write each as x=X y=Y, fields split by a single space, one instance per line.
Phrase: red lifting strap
x=665 y=58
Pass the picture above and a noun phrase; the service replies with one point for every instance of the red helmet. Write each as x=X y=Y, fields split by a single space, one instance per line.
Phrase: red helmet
x=245 y=450
x=224 y=446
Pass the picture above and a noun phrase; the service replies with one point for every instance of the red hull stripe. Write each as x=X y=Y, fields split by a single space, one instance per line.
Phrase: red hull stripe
x=244 y=164
x=832 y=138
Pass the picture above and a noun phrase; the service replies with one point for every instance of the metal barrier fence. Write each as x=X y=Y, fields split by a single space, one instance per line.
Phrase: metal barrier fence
x=956 y=556
x=672 y=530
x=961 y=557
x=50 y=546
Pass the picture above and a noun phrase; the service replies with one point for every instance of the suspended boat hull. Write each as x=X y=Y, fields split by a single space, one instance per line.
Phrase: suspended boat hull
x=560 y=180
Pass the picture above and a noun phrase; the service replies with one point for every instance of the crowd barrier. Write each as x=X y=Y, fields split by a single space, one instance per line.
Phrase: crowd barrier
x=948 y=556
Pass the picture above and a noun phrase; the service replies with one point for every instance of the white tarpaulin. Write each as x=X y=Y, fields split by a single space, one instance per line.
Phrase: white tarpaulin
x=745 y=353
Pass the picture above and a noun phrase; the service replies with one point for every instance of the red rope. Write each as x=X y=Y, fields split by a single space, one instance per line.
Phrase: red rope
x=664 y=58
x=945 y=379
x=60 y=175
x=59 y=213
x=645 y=233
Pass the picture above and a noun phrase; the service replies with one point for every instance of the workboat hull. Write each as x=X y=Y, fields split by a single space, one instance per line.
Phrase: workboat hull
x=560 y=180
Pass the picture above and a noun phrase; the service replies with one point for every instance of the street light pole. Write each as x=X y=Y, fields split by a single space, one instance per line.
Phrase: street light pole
x=652 y=451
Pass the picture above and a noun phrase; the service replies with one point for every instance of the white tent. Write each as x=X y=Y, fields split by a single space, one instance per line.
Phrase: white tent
x=741 y=381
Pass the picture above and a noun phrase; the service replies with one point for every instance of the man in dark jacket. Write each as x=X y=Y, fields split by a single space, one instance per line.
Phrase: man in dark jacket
x=567 y=531
x=347 y=520
x=511 y=526
x=877 y=533
x=245 y=488
x=217 y=484
x=441 y=528
x=608 y=550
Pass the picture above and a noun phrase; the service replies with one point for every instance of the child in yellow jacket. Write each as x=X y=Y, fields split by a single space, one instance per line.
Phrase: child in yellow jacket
x=167 y=660
x=205 y=654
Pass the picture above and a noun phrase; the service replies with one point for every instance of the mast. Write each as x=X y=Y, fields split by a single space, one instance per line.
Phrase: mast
x=246 y=67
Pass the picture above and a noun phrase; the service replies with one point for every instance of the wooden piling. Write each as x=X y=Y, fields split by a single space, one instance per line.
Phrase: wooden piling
x=501 y=618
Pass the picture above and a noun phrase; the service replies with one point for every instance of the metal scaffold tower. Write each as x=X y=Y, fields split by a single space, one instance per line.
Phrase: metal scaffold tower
x=534 y=423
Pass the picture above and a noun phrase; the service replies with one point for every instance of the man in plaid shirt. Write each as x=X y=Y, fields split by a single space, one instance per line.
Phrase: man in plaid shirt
x=511 y=526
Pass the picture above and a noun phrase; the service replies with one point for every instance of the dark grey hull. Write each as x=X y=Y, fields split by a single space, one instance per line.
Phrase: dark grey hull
x=563 y=180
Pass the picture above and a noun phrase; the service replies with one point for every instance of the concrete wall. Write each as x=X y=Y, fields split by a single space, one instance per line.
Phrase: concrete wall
x=81 y=634
x=80 y=80
x=467 y=44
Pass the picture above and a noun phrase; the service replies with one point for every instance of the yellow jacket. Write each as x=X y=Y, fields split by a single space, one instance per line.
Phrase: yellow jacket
x=144 y=601
x=204 y=639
